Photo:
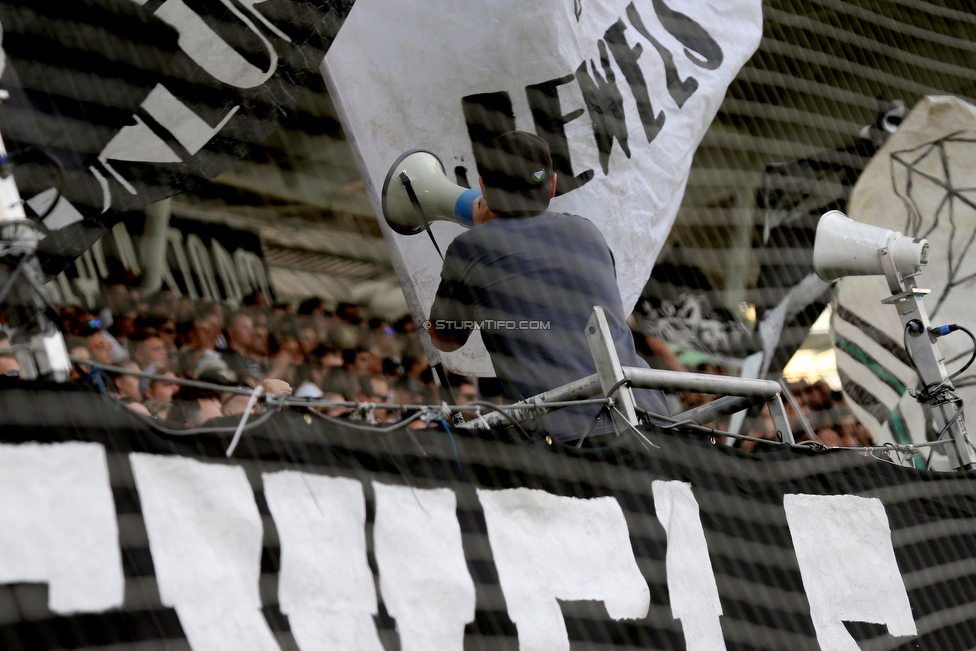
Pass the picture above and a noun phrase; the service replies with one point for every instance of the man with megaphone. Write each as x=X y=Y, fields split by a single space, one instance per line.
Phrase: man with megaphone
x=529 y=279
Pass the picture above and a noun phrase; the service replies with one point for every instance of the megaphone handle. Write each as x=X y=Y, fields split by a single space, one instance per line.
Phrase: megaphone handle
x=415 y=202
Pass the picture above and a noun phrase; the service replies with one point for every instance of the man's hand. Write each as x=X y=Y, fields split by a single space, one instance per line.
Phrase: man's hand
x=276 y=387
x=480 y=212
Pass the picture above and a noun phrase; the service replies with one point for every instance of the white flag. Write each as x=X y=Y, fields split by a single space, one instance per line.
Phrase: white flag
x=921 y=183
x=623 y=91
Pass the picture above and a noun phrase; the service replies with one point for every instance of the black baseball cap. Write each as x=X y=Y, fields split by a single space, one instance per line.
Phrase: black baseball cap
x=517 y=169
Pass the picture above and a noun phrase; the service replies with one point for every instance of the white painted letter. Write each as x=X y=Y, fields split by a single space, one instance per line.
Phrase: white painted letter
x=211 y=52
x=691 y=581
x=423 y=575
x=843 y=546
x=548 y=547
x=325 y=585
x=205 y=536
x=57 y=525
x=189 y=129
x=200 y=259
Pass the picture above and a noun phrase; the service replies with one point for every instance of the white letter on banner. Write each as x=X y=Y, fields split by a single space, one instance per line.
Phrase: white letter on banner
x=548 y=547
x=691 y=581
x=843 y=546
x=325 y=585
x=423 y=575
x=186 y=126
x=211 y=52
x=58 y=526
x=205 y=535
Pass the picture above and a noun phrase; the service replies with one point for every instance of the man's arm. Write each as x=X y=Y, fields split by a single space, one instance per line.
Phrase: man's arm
x=450 y=309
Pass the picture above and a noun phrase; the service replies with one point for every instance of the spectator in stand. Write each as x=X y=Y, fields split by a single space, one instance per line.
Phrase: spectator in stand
x=9 y=366
x=157 y=408
x=100 y=347
x=383 y=340
x=307 y=338
x=79 y=371
x=127 y=385
x=260 y=348
x=240 y=340
x=123 y=323
x=236 y=404
x=195 y=407
x=338 y=411
x=327 y=357
x=167 y=332
x=373 y=388
x=309 y=378
x=202 y=337
x=464 y=392
x=829 y=437
x=147 y=348
x=159 y=390
x=289 y=356
x=162 y=325
x=340 y=381
x=362 y=360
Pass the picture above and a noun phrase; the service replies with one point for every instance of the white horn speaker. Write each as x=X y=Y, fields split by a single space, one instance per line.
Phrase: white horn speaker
x=844 y=247
x=438 y=196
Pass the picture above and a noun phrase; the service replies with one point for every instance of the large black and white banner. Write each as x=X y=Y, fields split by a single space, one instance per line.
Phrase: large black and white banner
x=622 y=90
x=120 y=103
x=316 y=536
x=921 y=183
x=203 y=260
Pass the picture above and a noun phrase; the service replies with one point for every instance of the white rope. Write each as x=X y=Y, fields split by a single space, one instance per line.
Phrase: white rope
x=258 y=390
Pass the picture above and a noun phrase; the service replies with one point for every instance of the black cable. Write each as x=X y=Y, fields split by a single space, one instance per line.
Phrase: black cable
x=972 y=357
x=904 y=342
x=494 y=407
x=345 y=422
x=591 y=425
x=673 y=423
x=952 y=420
x=203 y=430
x=616 y=386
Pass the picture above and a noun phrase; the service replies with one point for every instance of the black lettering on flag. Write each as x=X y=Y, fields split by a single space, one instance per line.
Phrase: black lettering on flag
x=605 y=105
x=550 y=125
x=679 y=90
x=690 y=34
x=626 y=58
x=488 y=115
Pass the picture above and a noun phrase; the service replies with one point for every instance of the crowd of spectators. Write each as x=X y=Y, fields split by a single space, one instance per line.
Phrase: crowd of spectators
x=815 y=413
x=339 y=355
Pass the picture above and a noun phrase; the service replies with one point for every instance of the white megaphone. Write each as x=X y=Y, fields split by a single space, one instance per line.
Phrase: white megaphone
x=435 y=197
x=844 y=247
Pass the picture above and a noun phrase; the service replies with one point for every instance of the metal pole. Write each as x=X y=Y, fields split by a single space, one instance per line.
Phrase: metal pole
x=608 y=369
x=649 y=378
x=153 y=245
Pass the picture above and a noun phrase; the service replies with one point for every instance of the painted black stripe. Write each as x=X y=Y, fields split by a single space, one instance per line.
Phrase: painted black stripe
x=861 y=356
x=894 y=347
x=864 y=398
